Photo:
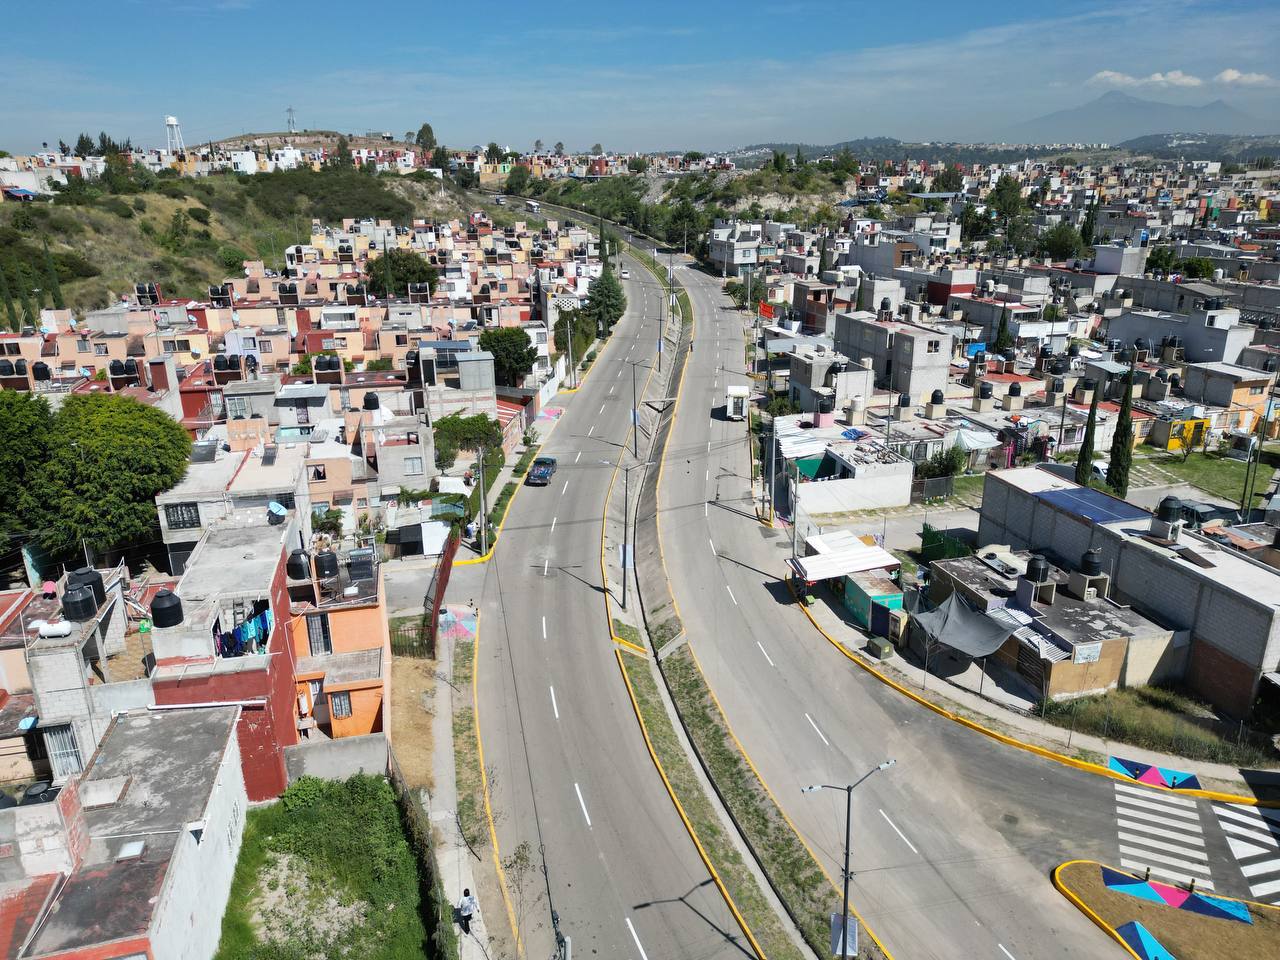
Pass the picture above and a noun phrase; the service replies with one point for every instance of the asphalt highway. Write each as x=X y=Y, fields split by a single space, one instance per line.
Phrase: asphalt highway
x=570 y=775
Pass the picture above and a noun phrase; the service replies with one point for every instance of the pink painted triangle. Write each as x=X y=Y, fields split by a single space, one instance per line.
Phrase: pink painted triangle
x=1173 y=896
x=1151 y=775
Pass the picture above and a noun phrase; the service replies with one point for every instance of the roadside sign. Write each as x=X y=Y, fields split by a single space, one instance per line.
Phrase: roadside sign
x=849 y=948
x=626 y=556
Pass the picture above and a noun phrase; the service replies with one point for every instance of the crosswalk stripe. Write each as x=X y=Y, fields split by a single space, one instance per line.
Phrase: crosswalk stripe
x=1155 y=795
x=1253 y=820
x=1152 y=818
x=1158 y=808
x=1161 y=858
x=1162 y=845
x=1242 y=850
x=1264 y=889
x=1266 y=813
x=1242 y=831
x=1167 y=834
x=1260 y=868
x=1167 y=874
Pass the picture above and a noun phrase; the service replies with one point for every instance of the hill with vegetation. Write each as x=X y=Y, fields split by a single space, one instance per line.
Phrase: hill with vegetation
x=100 y=237
x=1244 y=150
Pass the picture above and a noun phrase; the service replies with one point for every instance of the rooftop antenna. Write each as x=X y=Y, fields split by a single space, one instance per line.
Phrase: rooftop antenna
x=293 y=127
x=173 y=136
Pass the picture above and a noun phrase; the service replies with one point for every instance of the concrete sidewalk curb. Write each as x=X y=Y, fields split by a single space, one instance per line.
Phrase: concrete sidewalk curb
x=1039 y=751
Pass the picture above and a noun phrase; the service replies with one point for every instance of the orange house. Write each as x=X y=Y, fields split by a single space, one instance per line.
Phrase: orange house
x=343 y=649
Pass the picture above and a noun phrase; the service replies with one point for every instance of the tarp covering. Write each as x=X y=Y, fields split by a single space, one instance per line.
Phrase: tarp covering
x=954 y=624
x=969 y=440
x=852 y=557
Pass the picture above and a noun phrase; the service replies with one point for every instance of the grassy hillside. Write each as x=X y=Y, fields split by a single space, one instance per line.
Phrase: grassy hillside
x=185 y=234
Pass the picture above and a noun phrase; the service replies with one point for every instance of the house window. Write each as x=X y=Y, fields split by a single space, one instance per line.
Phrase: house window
x=340 y=705
x=413 y=466
x=1255 y=391
x=82 y=346
x=182 y=516
x=168 y=346
x=318 y=634
x=318 y=473
x=99 y=349
x=237 y=407
x=934 y=346
x=64 y=752
x=250 y=343
x=264 y=346
x=280 y=316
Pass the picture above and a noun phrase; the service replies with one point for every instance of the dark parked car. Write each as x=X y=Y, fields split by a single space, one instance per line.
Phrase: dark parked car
x=541 y=471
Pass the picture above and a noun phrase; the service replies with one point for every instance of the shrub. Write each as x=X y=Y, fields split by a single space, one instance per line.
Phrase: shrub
x=231 y=258
x=118 y=206
x=199 y=215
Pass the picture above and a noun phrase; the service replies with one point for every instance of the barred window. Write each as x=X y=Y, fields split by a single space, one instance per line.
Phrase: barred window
x=182 y=516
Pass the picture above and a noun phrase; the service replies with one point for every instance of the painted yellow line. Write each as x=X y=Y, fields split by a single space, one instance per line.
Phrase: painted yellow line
x=794 y=829
x=633 y=647
x=484 y=782
x=1084 y=907
x=693 y=834
x=1062 y=758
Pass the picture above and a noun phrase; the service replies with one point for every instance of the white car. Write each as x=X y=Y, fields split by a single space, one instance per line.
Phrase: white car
x=626 y=274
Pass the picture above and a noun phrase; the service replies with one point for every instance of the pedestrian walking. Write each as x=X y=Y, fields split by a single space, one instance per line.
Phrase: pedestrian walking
x=467 y=908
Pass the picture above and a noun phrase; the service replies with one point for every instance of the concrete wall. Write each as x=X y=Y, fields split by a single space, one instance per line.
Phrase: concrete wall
x=109 y=698
x=337 y=759
x=1157 y=658
x=187 y=923
x=856 y=493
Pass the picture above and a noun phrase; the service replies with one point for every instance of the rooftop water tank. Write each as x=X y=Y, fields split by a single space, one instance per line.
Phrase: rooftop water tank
x=6 y=368
x=1015 y=389
x=166 y=609
x=937 y=397
x=1169 y=510
x=904 y=400
x=984 y=391
x=1057 y=385
x=370 y=401
x=1088 y=384
x=20 y=367
x=40 y=370
x=1010 y=353
x=326 y=564
x=115 y=368
x=78 y=604
x=1091 y=562
x=91 y=578
x=886 y=304
x=220 y=362
x=1058 y=366
x=298 y=566
x=1037 y=569
x=1073 y=350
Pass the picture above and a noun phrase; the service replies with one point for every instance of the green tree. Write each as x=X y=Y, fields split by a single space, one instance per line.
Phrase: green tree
x=11 y=312
x=537 y=147
x=341 y=156
x=1089 y=224
x=390 y=274
x=581 y=326
x=84 y=146
x=513 y=354
x=799 y=158
x=30 y=312
x=1004 y=339
x=948 y=180
x=1006 y=198
x=638 y=164
x=329 y=522
x=108 y=457
x=456 y=432
x=596 y=150
x=51 y=279
x=694 y=155
x=875 y=211
x=1161 y=259
x=1196 y=268
x=975 y=225
x=231 y=258
x=559 y=148
x=518 y=180
x=440 y=159
x=1061 y=241
x=1122 y=442
x=426 y=138
x=493 y=152
x=606 y=301
x=25 y=427
x=944 y=463
x=779 y=162
x=1084 y=462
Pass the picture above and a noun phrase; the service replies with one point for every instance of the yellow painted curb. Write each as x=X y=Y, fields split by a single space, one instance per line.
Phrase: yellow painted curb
x=484 y=782
x=1083 y=907
x=693 y=834
x=1085 y=765
x=799 y=836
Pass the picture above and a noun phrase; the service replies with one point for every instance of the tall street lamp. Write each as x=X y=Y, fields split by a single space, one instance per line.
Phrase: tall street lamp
x=848 y=821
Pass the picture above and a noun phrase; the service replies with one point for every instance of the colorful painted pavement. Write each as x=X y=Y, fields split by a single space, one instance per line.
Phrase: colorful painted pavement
x=1142 y=942
x=550 y=414
x=1153 y=776
x=1163 y=893
x=458 y=623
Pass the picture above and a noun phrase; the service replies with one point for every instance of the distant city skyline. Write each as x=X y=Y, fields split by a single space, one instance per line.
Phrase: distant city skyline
x=665 y=76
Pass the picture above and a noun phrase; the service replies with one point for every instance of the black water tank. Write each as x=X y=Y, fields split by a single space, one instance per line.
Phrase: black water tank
x=115 y=368
x=371 y=401
x=1057 y=385
x=40 y=370
x=326 y=564
x=886 y=304
x=131 y=367
x=91 y=578
x=411 y=359
x=984 y=391
x=1046 y=350
x=826 y=404
x=1162 y=374
x=937 y=397
x=298 y=567
x=1015 y=389
x=1175 y=381
x=1010 y=353
x=1140 y=344
x=166 y=609
x=20 y=367
x=6 y=368
x=1113 y=344
x=78 y=604
x=1058 y=366
x=1169 y=510
x=220 y=362
x=1124 y=356
x=1073 y=350
x=904 y=400
x=1088 y=384
x=1037 y=569
x=233 y=361
x=1091 y=562
x=980 y=356
x=334 y=364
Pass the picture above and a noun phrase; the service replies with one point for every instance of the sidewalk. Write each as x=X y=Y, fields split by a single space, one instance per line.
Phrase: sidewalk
x=458 y=864
x=989 y=709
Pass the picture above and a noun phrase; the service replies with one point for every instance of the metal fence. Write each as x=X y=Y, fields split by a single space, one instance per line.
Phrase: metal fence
x=418 y=638
x=937 y=545
x=933 y=488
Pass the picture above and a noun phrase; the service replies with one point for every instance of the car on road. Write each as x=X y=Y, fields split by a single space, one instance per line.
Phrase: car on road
x=626 y=274
x=541 y=471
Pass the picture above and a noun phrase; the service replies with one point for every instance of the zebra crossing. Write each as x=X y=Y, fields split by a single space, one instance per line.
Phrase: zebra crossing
x=1162 y=833
x=1253 y=834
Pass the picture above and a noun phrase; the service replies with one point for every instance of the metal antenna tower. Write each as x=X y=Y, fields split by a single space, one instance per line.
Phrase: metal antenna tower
x=293 y=126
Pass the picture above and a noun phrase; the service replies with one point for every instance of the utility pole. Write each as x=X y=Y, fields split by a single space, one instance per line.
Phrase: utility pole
x=848 y=831
x=795 y=511
x=484 y=510
x=635 y=416
x=662 y=325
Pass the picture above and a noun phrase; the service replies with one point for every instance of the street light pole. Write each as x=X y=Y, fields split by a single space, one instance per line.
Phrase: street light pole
x=848 y=830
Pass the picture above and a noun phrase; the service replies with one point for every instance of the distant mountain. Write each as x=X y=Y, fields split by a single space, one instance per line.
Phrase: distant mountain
x=1204 y=146
x=1117 y=116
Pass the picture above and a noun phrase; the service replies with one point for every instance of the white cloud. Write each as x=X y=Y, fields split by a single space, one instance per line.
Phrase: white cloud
x=1172 y=78
x=1238 y=78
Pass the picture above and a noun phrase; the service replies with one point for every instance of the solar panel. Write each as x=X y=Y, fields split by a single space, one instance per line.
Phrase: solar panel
x=1093 y=505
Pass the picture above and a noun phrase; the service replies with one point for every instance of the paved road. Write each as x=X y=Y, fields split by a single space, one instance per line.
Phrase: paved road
x=952 y=846
x=570 y=772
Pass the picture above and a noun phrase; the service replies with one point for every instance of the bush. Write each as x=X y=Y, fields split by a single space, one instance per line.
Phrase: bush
x=139 y=204
x=199 y=215
x=231 y=258
x=117 y=206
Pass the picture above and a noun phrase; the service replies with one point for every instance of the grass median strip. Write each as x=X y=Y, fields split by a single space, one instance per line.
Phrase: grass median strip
x=466 y=760
x=735 y=874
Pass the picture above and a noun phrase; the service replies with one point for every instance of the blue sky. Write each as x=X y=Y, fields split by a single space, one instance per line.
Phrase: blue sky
x=704 y=74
